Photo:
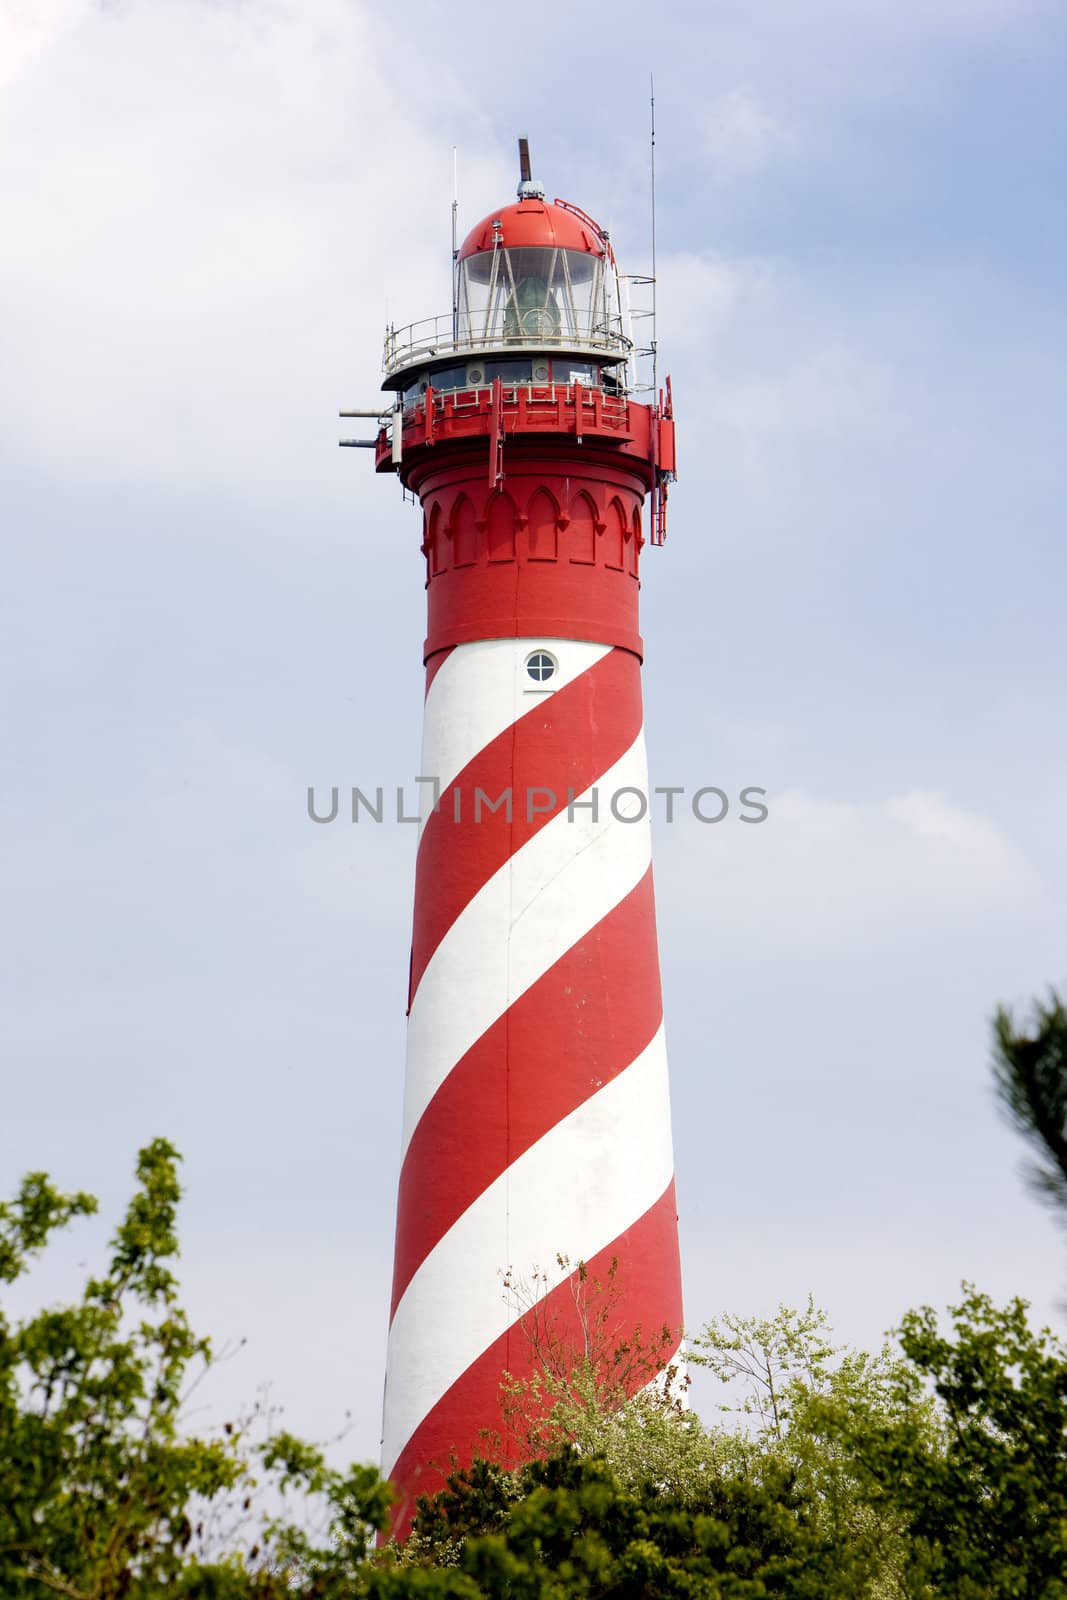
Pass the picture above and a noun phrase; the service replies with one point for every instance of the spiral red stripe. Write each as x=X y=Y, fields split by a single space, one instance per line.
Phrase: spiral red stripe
x=562 y=744
x=590 y=1016
x=646 y=1253
x=434 y=665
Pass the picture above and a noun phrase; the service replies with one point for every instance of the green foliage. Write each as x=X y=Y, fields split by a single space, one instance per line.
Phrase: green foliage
x=95 y=1481
x=325 y=1563
x=935 y=1472
x=28 y=1221
x=103 y=1494
x=983 y=1493
x=1030 y=1074
x=780 y=1372
x=774 y=1361
x=574 y=1531
x=776 y=1369
x=582 y=1381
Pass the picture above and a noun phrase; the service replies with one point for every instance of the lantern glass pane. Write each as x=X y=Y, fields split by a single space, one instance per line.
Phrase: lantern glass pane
x=538 y=296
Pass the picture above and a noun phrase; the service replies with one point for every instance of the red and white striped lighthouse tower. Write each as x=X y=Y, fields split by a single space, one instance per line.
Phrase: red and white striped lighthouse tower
x=536 y=1112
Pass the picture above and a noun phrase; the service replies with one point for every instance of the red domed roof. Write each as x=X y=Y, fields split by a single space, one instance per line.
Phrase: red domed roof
x=535 y=223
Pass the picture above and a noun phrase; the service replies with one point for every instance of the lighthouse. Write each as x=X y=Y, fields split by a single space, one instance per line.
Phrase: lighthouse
x=536 y=1129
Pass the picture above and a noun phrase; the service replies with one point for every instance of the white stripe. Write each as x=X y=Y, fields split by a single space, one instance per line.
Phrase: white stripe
x=544 y=898
x=480 y=690
x=572 y=1193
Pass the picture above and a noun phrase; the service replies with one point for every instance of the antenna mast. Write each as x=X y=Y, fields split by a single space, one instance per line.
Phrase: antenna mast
x=455 y=248
x=652 y=173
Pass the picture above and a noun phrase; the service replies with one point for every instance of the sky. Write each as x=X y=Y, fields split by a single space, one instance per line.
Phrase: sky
x=210 y=210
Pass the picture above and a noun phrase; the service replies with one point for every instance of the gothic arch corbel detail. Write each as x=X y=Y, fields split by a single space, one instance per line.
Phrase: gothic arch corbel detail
x=430 y=518
x=542 y=526
x=500 y=522
x=616 y=534
x=432 y=541
x=463 y=532
x=581 y=542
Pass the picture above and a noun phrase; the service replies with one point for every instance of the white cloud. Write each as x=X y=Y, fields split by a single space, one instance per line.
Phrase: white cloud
x=829 y=392
x=209 y=211
x=914 y=20
x=702 y=297
x=940 y=15
x=850 y=875
x=29 y=27
x=742 y=135
x=769 y=371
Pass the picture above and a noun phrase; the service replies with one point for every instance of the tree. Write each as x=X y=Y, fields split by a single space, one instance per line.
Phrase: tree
x=573 y=1532
x=780 y=1372
x=103 y=1494
x=774 y=1361
x=598 y=1382
x=776 y=1369
x=94 y=1479
x=981 y=1481
x=937 y=1472
x=1030 y=1074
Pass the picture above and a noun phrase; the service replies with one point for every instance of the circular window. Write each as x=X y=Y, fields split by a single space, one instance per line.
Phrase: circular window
x=540 y=665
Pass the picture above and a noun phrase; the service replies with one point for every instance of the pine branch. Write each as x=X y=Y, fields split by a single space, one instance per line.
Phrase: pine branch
x=1030 y=1075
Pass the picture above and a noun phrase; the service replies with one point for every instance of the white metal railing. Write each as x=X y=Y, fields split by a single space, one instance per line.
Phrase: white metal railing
x=435 y=337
